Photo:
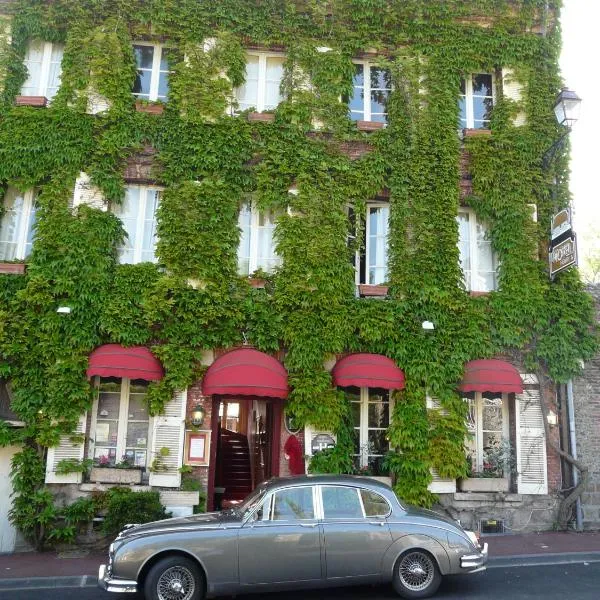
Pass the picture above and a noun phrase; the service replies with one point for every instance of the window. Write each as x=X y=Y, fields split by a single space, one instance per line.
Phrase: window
x=371 y=259
x=138 y=214
x=121 y=422
x=372 y=87
x=261 y=90
x=375 y=505
x=476 y=101
x=257 y=247
x=487 y=424
x=152 y=81
x=18 y=224
x=478 y=260
x=293 y=504
x=371 y=415
x=341 y=503
x=43 y=61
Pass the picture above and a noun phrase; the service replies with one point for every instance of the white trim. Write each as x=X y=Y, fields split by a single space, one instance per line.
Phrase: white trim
x=45 y=64
x=366 y=87
x=155 y=71
x=261 y=83
x=368 y=248
x=470 y=115
x=254 y=235
x=22 y=221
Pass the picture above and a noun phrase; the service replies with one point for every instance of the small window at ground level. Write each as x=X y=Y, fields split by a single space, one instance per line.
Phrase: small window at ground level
x=341 y=503
x=375 y=505
x=294 y=504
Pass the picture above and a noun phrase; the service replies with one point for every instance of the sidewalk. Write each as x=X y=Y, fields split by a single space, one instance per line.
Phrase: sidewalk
x=48 y=569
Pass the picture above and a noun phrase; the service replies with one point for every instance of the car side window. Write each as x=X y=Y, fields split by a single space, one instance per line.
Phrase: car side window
x=375 y=505
x=340 y=502
x=293 y=504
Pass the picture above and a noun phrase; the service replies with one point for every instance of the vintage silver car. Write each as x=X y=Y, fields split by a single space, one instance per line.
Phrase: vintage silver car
x=290 y=533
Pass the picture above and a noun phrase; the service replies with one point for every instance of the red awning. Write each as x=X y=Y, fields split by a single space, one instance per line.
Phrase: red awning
x=368 y=370
x=491 y=375
x=114 y=360
x=246 y=372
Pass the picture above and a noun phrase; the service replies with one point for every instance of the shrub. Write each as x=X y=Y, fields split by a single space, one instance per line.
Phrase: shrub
x=124 y=506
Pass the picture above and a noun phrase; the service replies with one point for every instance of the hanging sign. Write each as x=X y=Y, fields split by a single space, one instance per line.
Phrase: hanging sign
x=321 y=441
x=563 y=255
x=561 y=223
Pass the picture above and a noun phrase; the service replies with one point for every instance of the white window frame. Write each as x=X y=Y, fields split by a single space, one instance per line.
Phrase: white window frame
x=470 y=113
x=122 y=425
x=141 y=222
x=45 y=69
x=255 y=227
x=363 y=429
x=154 y=72
x=262 y=80
x=367 y=113
x=471 y=285
x=367 y=245
x=28 y=205
x=479 y=431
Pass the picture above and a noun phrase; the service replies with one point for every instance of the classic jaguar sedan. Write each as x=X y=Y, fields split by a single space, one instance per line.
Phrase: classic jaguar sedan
x=300 y=532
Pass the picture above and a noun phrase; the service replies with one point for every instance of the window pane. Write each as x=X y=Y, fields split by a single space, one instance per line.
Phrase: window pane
x=163 y=86
x=293 y=504
x=149 y=237
x=381 y=79
x=462 y=109
x=141 y=85
x=375 y=505
x=266 y=258
x=379 y=414
x=464 y=246
x=128 y=213
x=341 y=503
x=33 y=63
x=247 y=94
x=482 y=108
x=138 y=407
x=378 y=443
x=244 y=221
x=377 y=244
x=30 y=232
x=107 y=421
x=144 y=56
x=274 y=76
x=491 y=413
x=137 y=435
x=11 y=225
x=482 y=84
x=55 y=71
x=356 y=104
x=355 y=408
x=166 y=59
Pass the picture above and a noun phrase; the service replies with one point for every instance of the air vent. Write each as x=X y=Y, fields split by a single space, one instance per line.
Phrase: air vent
x=491 y=526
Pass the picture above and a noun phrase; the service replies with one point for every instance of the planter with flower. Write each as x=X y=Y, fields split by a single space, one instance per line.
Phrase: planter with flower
x=124 y=472
x=498 y=467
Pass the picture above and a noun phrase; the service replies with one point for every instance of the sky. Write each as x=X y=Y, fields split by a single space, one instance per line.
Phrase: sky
x=581 y=49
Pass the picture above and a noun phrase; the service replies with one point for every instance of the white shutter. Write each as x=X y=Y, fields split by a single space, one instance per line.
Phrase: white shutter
x=513 y=90
x=86 y=193
x=66 y=449
x=439 y=485
x=531 y=444
x=168 y=431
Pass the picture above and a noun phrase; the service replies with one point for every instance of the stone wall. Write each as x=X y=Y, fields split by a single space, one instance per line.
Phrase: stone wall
x=586 y=400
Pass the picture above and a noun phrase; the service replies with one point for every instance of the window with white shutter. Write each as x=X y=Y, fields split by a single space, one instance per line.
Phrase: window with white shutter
x=43 y=63
x=439 y=485
x=17 y=225
x=531 y=444
x=67 y=449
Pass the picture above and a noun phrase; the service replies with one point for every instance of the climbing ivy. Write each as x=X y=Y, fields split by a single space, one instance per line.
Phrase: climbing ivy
x=210 y=162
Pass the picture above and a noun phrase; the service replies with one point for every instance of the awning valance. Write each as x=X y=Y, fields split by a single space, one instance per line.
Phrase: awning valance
x=368 y=370
x=114 y=360
x=491 y=375
x=246 y=372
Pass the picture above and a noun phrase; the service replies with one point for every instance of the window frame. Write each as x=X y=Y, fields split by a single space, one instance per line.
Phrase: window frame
x=261 y=83
x=367 y=112
x=140 y=223
x=29 y=198
x=471 y=285
x=469 y=111
x=255 y=215
x=46 y=62
x=351 y=213
x=122 y=423
x=155 y=72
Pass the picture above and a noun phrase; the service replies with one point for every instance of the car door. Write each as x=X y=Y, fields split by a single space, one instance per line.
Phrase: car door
x=355 y=531
x=282 y=543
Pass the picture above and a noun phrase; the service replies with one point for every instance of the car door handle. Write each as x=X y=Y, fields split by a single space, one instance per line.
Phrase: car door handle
x=308 y=525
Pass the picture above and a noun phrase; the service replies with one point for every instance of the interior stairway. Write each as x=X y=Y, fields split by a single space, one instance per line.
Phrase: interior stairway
x=234 y=470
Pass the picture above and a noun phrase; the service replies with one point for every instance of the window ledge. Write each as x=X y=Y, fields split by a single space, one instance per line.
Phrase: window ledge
x=152 y=108
x=373 y=291
x=261 y=117
x=12 y=268
x=256 y=282
x=475 y=294
x=476 y=132
x=370 y=125
x=37 y=101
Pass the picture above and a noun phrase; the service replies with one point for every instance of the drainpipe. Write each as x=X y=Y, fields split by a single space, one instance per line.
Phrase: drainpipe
x=573 y=442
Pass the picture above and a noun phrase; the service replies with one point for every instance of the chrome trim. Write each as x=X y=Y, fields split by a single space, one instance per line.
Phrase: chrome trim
x=447 y=529
x=475 y=561
x=109 y=584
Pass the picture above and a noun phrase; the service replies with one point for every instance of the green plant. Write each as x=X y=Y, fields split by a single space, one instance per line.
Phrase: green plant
x=71 y=465
x=158 y=463
x=124 y=506
x=499 y=460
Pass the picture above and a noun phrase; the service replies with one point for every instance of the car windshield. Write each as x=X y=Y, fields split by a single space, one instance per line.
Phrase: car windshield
x=250 y=503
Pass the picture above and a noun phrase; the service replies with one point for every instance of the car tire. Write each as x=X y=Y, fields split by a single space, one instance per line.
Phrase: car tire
x=175 y=578
x=416 y=575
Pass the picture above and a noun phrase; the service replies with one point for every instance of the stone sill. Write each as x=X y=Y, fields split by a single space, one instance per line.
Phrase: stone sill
x=37 y=101
x=487 y=497
x=12 y=268
x=476 y=132
x=370 y=125
x=152 y=108
x=478 y=294
x=102 y=487
x=261 y=117
x=373 y=291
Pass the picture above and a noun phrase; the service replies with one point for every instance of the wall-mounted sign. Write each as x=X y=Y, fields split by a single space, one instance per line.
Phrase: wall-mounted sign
x=197 y=448
x=290 y=424
x=321 y=441
x=563 y=255
x=561 y=223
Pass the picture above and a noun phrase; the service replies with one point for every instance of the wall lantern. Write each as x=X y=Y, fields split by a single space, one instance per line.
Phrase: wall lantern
x=567 y=107
x=552 y=418
x=198 y=415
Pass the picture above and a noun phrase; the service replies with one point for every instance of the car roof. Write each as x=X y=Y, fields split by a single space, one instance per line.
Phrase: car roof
x=326 y=479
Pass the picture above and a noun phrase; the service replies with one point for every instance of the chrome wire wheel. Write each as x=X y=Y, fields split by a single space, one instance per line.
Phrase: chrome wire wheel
x=416 y=571
x=176 y=583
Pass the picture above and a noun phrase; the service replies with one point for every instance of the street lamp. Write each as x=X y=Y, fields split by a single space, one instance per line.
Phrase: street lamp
x=566 y=108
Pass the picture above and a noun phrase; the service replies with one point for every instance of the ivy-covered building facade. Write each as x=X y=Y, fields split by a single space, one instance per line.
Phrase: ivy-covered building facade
x=243 y=239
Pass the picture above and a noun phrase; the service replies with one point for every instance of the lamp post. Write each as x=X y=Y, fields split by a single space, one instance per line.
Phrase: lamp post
x=566 y=110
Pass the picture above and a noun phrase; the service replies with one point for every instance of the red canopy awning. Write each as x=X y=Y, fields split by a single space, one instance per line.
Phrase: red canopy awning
x=114 y=360
x=368 y=370
x=246 y=372
x=491 y=375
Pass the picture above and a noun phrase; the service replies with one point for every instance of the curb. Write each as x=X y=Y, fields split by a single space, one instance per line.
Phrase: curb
x=44 y=583
x=535 y=560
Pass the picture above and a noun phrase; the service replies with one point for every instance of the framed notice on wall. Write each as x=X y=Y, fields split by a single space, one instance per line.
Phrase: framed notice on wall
x=197 y=448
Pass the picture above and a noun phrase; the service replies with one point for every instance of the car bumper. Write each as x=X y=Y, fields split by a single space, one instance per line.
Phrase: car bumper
x=475 y=562
x=113 y=584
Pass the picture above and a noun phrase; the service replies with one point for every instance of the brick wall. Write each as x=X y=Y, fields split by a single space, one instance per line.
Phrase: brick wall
x=586 y=400
x=194 y=397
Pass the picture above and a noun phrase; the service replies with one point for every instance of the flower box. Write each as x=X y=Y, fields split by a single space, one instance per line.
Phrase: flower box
x=152 y=109
x=370 y=125
x=476 y=132
x=38 y=101
x=179 y=498
x=256 y=282
x=12 y=268
x=262 y=117
x=114 y=475
x=372 y=290
x=484 y=484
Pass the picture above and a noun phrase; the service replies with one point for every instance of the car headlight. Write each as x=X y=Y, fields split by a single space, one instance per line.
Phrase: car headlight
x=458 y=542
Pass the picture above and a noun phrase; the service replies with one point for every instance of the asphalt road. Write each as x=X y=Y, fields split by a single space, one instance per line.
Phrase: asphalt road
x=549 y=582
